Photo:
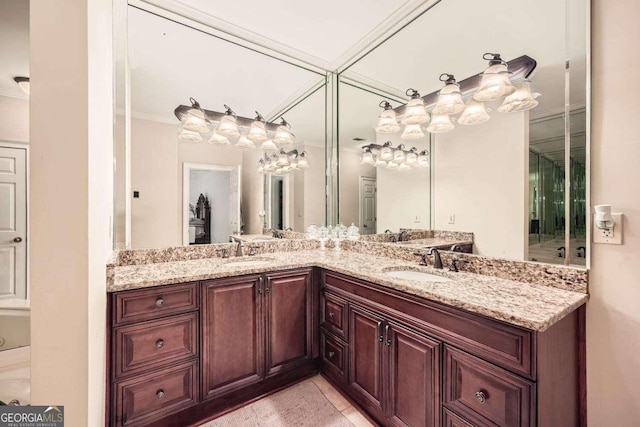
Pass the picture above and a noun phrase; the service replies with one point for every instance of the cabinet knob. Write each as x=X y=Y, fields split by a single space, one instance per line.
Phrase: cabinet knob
x=267 y=290
x=331 y=354
x=160 y=394
x=331 y=314
x=481 y=396
x=160 y=343
x=159 y=302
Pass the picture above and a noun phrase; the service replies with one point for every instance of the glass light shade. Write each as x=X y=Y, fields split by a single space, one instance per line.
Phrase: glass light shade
x=423 y=161
x=189 y=136
x=388 y=122
x=392 y=165
x=245 y=142
x=303 y=163
x=269 y=145
x=286 y=169
x=279 y=170
x=415 y=113
x=367 y=158
x=520 y=100
x=412 y=132
x=218 y=139
x=449 y=100
x=293 y=164
x=386 y=153
x=195 y=121
x=404 y=167
x=257 y=132
x=283 y=136
x=495 y=84
x=399 y=156
x=283 y=159
x=380 y=163
x=412 y=158
x=474 y=113
x=440 y=123
x=228 y=127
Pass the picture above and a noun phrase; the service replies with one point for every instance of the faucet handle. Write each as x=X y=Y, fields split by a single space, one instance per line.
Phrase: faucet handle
x=423 y=258
x=223 y=251
x=253 y=249
x=455 y=262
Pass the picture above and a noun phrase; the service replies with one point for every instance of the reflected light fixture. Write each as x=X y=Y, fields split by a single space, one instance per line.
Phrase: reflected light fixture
x=520 y=100
x=367 y=157
x=228 y=124
x=258 y=132
x=440 y=123
x=283 y=134
x=379 y=156
x=269 y=145
x=399 y=154
x=474 y=114
x=386 y=153
x=423 y=159
x=495 y=83
x=283 y=162
x=449 y=99
x=23 y=84
x=388 y=122
x=303 y=161
x=414 y=113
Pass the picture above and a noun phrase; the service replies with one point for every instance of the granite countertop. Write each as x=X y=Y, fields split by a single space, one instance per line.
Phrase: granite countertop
x=432 y=242
x=530 y=306
x=248 y=238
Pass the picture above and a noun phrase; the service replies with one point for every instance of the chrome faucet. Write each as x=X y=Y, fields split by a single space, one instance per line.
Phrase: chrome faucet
x=437 y=261
x=239 y=249
x=405 y=236
x=423 y=258
x=456 y=248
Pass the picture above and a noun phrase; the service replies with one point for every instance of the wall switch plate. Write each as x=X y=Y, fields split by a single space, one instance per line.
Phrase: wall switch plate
x=452 y=219
x=612 y=236
x=417 y=219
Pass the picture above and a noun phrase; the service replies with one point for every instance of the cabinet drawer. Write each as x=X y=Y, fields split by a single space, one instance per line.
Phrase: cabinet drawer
x=485 y=394
x=334 y=316
x=334 y=356
x=147 y=304
x=150 y=344
x=452 y=420
x=143 y=399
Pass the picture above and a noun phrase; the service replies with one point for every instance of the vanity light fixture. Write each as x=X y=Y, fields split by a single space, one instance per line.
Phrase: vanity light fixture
x=367 y=157
x=423 y=159
x=283 y=162
x=400 y=158
x=258 y=132
x=388 y=122
x=269 y=145
x=283 y=134
x=283 y=159
x=303 y=162
x=520 y=100
x=415 y=113
x=412 y=132
x=24 y=84
x=449 y=99
x=399 y=154
x=195 y=120
x=386 y=153
x=495 y=82
x=475 y=113
x=440 y=123
x=228 y=124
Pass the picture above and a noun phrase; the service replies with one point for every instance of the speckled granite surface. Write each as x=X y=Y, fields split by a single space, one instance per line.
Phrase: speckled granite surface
x=249 y=238
x=532 y=306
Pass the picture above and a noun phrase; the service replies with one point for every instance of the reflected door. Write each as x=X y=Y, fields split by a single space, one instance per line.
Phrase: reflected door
x=367 y=205
x=13 y=224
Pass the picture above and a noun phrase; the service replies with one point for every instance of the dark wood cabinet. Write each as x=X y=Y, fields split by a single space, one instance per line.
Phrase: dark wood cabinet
x=232 y=341
x=288 y=320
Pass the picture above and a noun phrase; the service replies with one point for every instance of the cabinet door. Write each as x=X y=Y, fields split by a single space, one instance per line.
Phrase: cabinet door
x=365 y=359
x=288 y=320
x=232 y=349
x=414 y=378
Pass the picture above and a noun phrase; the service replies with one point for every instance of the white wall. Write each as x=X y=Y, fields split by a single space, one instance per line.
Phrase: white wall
x=71 y=204
x=403 y=196
x=613 y=315
x=14 y=119
x=314 y=187
x=481 y=178
x=350 y=172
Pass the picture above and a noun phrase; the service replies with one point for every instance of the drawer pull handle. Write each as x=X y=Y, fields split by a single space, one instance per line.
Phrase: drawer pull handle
x=160 y=395
x=160 y=343
x=159 y=302
x=331 y=314
x=481 y=396
x=331 y=354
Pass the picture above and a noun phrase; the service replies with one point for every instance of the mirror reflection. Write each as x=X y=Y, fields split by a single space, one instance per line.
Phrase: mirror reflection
x=500 y=159
x=202 y=175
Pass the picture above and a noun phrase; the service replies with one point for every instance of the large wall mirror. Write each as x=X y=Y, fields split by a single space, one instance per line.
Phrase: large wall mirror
x=518 y=181
x=172 y=192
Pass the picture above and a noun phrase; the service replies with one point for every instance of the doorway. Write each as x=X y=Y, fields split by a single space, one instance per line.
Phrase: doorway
x=368 y=217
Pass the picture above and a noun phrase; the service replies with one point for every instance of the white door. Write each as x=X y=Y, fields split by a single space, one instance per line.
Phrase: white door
x=13 y=224
x=367 y=205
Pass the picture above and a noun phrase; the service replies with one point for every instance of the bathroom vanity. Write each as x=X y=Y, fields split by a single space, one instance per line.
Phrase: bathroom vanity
x=190 y=340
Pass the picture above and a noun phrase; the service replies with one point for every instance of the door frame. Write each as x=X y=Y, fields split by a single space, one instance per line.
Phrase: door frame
x=186 y=171
x=286 y=197
x=23 y=304
x=360 y=180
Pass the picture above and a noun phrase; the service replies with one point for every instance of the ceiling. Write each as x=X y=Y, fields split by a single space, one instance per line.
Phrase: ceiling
x=14 y=46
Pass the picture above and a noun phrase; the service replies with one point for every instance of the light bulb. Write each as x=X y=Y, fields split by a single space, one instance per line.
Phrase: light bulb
x=367 y=158
x=189 y=136
x=449 y=98
x=388 y=122
x=257 y=132
x=303 y=163
x=228 y=127
x=283 y=159
x=269 y=145
x=386 y=153
x=245 y=142
x=475 y=113
x=195 y=120
x=414 y=112
x=439 y=124
x=520 y=100
x=412 y=132
x=398 y=154
x=283 y=134
x=218 y=139
x=495 y=83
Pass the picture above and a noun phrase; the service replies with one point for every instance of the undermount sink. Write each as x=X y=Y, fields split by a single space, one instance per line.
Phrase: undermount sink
x=418 y=276
x=249 y=262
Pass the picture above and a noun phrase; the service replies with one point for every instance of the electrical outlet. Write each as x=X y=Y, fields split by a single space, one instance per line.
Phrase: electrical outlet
x=613 y=236
x=452 y=219
x=417 y=219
